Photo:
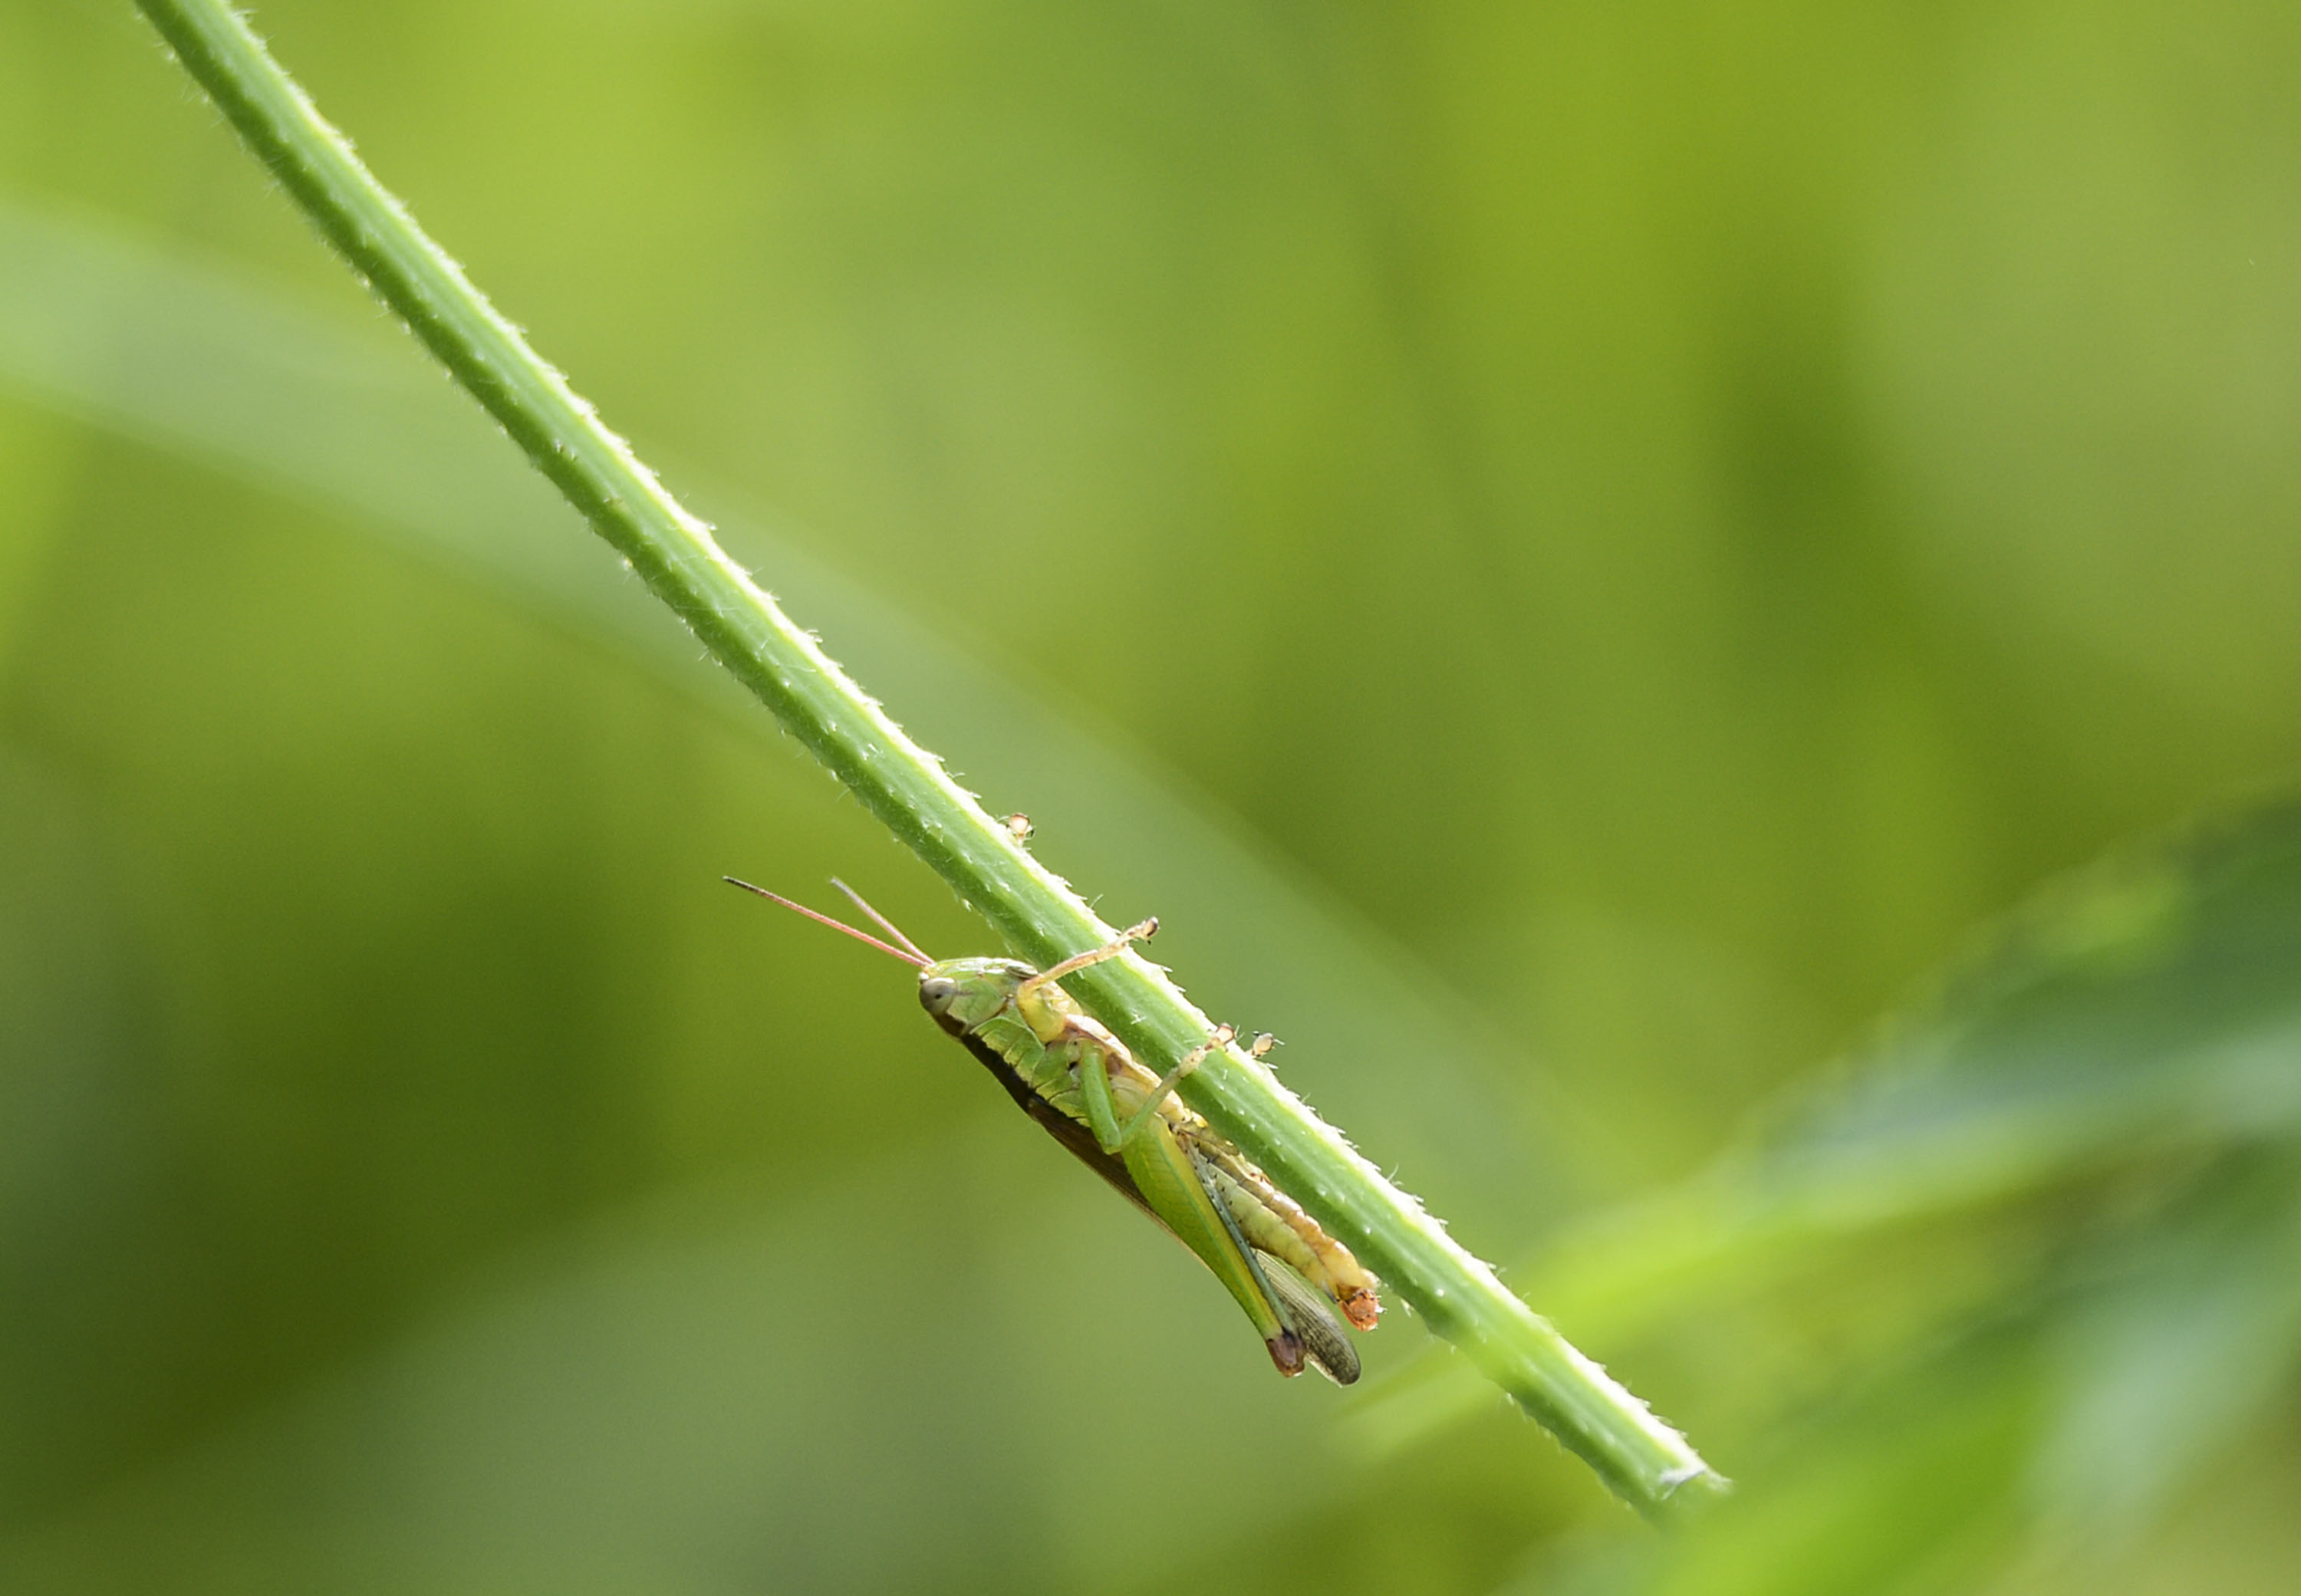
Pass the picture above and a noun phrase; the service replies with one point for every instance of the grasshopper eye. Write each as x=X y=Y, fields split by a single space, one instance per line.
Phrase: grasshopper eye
x=936 y=992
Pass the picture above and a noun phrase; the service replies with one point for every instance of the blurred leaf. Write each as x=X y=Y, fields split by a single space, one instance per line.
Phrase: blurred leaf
x=2147 y=1010
x=2187 y=1343
x=2119 y=1076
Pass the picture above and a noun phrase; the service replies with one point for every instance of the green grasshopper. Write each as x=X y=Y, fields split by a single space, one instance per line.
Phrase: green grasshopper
x=1079 y=1082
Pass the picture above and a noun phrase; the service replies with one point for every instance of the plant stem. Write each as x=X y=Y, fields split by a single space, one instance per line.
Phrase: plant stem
x=1641 y=1457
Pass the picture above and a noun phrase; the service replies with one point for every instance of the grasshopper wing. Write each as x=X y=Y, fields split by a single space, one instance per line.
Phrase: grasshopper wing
x=1325 y=1342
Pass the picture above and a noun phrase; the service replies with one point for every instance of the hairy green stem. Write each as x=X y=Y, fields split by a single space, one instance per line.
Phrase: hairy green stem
x=1644 y=1459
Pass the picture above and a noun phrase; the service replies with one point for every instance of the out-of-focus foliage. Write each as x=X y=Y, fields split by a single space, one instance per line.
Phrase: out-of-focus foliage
x=1571 y=553
x=2025 y=1270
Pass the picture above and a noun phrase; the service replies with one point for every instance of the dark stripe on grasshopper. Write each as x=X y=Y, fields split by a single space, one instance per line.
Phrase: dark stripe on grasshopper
x=1287 y=1349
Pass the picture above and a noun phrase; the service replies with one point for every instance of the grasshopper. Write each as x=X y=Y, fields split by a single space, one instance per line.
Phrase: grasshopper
x=1079 y=1082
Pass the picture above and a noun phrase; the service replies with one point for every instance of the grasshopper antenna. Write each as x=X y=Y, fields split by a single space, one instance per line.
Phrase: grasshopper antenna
x=914 y=957
x=880 y=919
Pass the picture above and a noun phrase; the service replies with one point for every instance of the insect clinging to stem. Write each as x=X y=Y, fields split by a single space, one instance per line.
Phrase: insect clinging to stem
x=1079 y=1082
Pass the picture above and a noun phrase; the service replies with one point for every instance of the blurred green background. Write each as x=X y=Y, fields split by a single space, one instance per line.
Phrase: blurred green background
x=1575 y=554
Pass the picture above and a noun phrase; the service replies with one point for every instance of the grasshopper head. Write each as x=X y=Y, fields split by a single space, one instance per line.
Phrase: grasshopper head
x=964 y=992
